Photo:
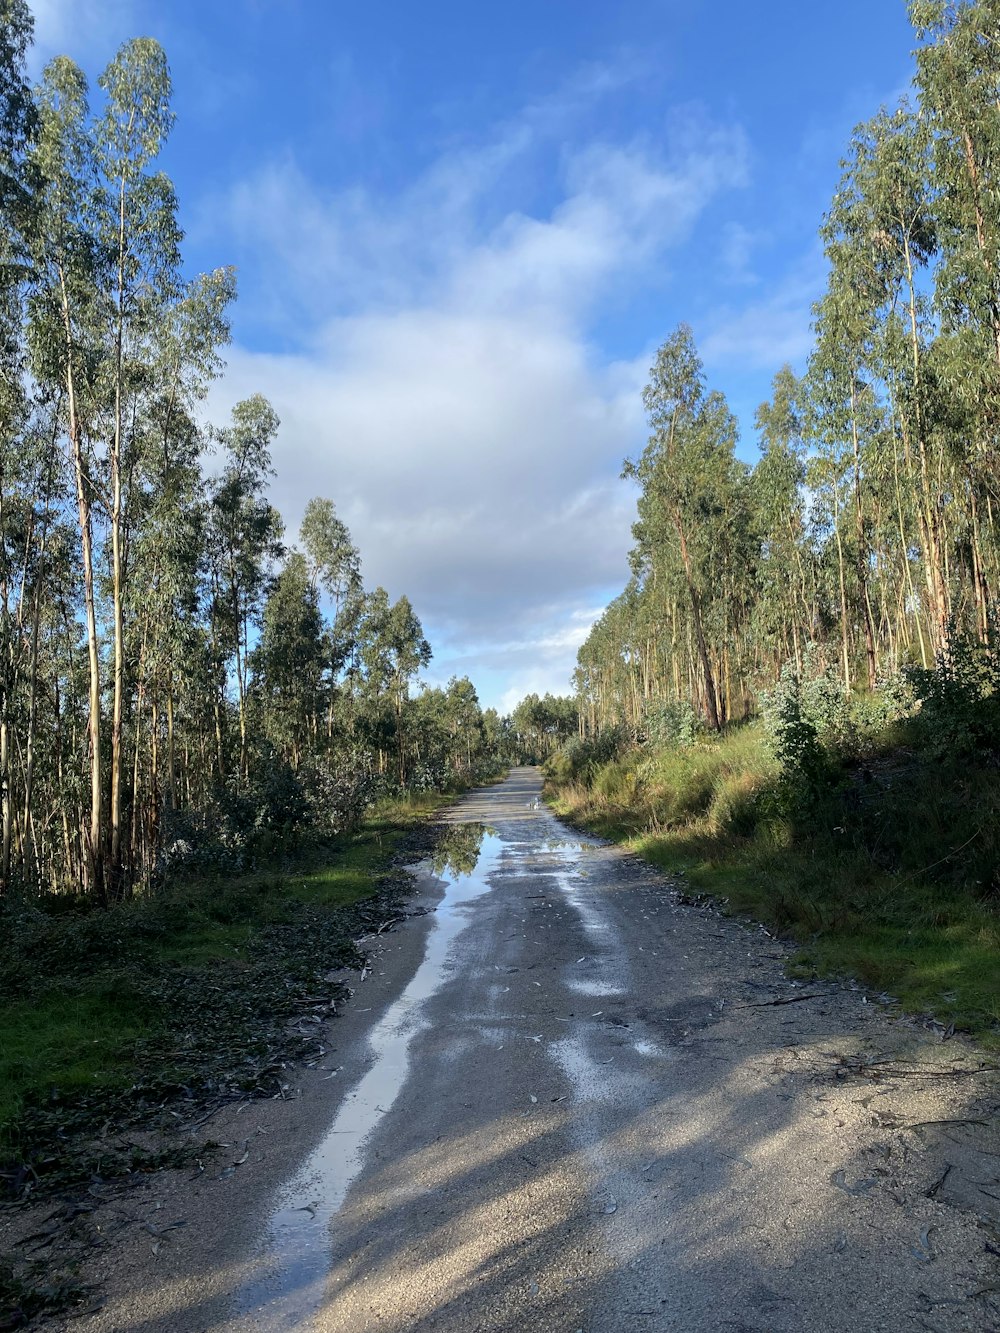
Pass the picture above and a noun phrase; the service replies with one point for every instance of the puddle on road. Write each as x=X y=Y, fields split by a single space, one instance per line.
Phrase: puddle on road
x=298 y=1246
x=595 y=990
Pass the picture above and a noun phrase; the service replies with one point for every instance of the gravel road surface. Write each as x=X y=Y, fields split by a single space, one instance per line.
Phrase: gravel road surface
x=567 y=1099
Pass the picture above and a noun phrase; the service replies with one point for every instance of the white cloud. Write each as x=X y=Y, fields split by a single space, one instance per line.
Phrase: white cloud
x=476 y=461
x=447 y=397
x=769 y=332
x=451 y=238
x=738 y=246
x=79 y=28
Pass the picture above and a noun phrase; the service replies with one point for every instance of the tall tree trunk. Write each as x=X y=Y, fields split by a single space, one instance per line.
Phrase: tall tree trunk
x=93 y=848
x=927 y=505
x=711 y=695
x=844 y=623
x=862 y=555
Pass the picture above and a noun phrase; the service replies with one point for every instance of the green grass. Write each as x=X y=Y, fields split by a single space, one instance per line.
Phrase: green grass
x=92 y=1002
x=68 y=1042
x=890 y=875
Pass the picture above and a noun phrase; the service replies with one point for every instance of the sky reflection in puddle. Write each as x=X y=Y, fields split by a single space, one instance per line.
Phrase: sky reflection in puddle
x=298 y=1245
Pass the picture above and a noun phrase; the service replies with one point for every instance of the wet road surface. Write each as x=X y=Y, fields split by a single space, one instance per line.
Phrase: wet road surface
x=565 y=1100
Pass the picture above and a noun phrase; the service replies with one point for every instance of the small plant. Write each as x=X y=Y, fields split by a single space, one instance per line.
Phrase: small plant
x=807 y=718
x=873 y=713
x=959 y=697
x=580 y=760
x=795 y=736
x=673 y=723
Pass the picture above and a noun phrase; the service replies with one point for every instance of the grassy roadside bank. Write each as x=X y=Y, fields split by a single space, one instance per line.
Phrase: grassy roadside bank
x=145 y=1014
x=889 y=873
x=118 y=1027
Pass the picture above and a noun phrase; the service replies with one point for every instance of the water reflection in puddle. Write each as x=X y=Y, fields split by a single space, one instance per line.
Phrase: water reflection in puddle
x=595 y=990
x=298 y=1246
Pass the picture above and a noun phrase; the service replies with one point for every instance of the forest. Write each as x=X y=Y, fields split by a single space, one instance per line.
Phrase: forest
x=216 y=746
x=795 y=700
x=182 y=684
x=867 y=530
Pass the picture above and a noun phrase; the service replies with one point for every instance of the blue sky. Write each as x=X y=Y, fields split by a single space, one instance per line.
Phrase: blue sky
x=462 y=229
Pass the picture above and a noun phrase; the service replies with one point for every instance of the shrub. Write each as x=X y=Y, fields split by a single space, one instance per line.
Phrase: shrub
x=579 y=760
x=673 y=723
x=796 y=712
x=617 y=782
x=959 y=698
x=873 y=713
x=276 y=810
x=339 y=792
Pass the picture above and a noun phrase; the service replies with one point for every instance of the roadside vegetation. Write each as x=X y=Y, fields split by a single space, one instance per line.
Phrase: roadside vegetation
x=866 y=828
x=794 y=699
x=155 y=1009
x=184 y=684
x=121 y=1026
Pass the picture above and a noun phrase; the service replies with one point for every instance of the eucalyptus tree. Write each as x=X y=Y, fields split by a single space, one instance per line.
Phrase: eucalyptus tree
x=244 y=536
x=464 y=720
x=167 y=539
x=843 y=380
x=334 y=567
x=881 y=236
x=65 y=355
x=332 y=559
x=430 y=736
x=786 y=584
x=288 y=661
x=445 y=731
x=136 y=228
x=958 y=71
x=126 y=348
x=136 y=591
x=685 y=472
x=542 y=723
x=32 y=500
x=496 y=735
x=612 y=660
x=391 y=649
x=407 y=652
x=17 y=126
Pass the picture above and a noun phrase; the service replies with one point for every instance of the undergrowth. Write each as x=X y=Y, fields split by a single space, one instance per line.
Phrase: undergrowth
x=109 y=1016
x=879 y=854
x=150 y=1014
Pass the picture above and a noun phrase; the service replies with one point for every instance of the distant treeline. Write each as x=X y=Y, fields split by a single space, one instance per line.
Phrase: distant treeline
x=869 y=526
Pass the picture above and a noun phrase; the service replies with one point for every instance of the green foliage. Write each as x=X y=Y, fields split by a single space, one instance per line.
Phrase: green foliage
x=796 y=740
x=673 y=723
x=108 y=1016
x=578 y=760
x=177 y=689
x=538 y=726
x=868 y=526
x=692 y=507
x=888 y=873
x=333 y=560
x=805 y=717
x=959 y=699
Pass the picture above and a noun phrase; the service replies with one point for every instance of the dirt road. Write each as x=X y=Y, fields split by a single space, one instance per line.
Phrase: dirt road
x=565 y=1100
